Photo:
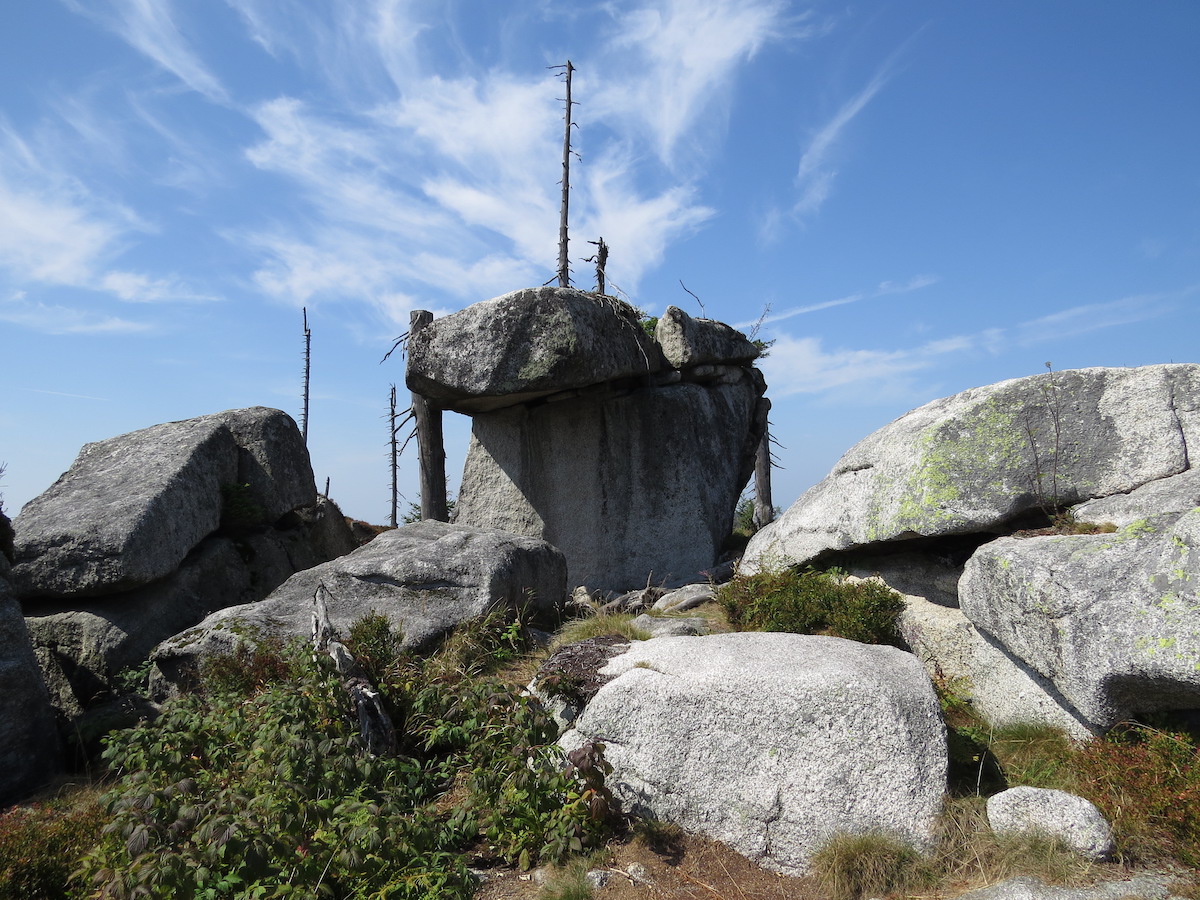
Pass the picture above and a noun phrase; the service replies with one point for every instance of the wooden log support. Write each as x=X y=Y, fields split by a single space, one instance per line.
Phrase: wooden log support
x=431 y=451
x=764 y=511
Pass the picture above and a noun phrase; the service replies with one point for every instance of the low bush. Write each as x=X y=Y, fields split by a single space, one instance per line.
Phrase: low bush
x=811 y=602
x=1147 y=782
x=41 y=845
x=270 y=793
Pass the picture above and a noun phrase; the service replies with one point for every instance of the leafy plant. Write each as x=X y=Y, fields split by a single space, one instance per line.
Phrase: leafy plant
x=41 y=845
x=6 y=529
x=812 y=602
x=1147 y=782
x=259 y=785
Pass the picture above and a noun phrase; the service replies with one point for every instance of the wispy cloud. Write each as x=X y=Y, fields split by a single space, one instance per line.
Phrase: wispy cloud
x=55 y=319
x=65 y=394
x=816 y=173
x=1095 y=316
x=54 y=231
x=148 y=27
x=806 y=366
x=885 y=288
x=671 y=62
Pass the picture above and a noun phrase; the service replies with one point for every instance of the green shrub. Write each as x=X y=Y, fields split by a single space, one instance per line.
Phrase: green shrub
x=240 y=510
x=1147 y=782
x=259 y=786
x=812 y=602
x=42 y=844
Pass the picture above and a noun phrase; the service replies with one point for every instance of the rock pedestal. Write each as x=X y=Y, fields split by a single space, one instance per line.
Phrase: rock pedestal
x=588 y=435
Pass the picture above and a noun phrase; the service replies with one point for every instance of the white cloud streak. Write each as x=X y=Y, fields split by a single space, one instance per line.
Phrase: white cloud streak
x=806 y=366
x=53 y=231
x=884 y=289
x=815 y=173
x=673 y=62
x=148 y=27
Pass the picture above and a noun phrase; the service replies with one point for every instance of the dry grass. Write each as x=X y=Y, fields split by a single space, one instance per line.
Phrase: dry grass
x=594 y=626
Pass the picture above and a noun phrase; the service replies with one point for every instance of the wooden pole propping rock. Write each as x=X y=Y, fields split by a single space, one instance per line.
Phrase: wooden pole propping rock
x=431 y=451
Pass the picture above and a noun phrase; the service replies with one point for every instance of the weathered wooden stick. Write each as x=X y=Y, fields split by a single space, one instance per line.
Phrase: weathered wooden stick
x=374 y=724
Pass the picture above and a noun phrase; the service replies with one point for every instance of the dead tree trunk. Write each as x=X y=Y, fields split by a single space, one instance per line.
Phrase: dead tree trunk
x=764 y=511
x=601 y=260
x=395 y=457
x=307 y=369
x=564 y=267
x=431 y=453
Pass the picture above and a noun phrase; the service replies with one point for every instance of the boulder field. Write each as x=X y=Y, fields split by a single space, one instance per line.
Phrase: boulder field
x=1078 y=630
x=603 y=456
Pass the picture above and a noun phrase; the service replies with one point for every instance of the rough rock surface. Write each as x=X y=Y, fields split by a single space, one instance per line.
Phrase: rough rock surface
x=528 y=344
x=687 y=597
x=1072 y=819
x=772 y=743
x=978 y=460
x=1176 y=494
x=131 y=507
x=671 y=626
x=29 y=744
x=426 y=578
x=626 y=486
x=1145 y=886
x=692 y=342
x=1112 y=620
x=1003 y=690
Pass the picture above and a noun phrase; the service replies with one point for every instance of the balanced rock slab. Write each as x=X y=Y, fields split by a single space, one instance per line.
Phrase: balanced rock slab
x=772 y=743
x=1111 y=620
x=528 y=344
x=980 y=459
x=131 y=507
x=426 y=578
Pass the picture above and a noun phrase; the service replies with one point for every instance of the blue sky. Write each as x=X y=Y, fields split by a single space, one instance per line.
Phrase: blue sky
x=922 y=197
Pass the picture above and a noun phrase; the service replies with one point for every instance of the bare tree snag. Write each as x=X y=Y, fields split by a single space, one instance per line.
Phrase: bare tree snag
x=374 y=724
x=601 y=261
x=431 y=453
x=307 y=369
x=564 y=267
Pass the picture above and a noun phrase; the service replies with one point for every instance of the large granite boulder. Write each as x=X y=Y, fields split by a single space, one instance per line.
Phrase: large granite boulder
x=1111 y=620
x=982 y=459
x=631 y=487
x=772 y=743
x=1002 y=689
x=693 y=342
x=131 y=508
x=528 y=344
x=426 y=578
x=30 y=751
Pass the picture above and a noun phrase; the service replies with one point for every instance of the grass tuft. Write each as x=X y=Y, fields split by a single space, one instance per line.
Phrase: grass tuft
x=853 y=866
x=813 y=602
